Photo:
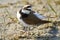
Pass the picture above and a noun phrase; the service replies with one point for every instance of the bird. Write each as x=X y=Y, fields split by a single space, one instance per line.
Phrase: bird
x=27 y=17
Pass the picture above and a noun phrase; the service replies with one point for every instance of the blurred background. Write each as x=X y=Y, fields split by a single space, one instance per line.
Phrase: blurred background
x=11 y=29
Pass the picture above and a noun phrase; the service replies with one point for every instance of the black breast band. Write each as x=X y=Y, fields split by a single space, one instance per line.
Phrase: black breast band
x=23 y=15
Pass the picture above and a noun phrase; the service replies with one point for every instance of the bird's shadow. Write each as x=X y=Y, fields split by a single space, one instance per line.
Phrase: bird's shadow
x=54 y=28
x=53 y=31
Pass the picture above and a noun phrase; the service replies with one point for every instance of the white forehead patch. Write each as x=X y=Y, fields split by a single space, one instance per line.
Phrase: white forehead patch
x=25 y=11
x=26 y=6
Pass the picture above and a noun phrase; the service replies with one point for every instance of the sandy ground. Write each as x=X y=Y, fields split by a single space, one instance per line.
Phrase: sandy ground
x=11 y=29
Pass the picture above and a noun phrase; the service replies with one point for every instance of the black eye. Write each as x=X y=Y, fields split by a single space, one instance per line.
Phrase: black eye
x=28 y=7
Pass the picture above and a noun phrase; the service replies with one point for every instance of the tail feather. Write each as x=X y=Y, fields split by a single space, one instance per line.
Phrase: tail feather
x=43 y=22
x=47 y=21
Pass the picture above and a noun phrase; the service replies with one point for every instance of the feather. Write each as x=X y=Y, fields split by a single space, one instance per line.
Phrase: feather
x=39 y=15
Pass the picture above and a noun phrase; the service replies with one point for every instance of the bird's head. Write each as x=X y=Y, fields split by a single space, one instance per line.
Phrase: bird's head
x=26 y=9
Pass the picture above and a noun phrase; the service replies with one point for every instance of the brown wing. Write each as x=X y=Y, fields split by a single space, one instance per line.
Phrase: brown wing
x=33 y=20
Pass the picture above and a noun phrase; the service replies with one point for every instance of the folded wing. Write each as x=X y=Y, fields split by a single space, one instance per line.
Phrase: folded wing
x=39 y=16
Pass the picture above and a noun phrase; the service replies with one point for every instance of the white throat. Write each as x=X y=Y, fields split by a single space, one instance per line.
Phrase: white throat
x=25 y=11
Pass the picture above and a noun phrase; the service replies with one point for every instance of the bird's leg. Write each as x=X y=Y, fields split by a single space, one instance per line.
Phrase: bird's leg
x=26 y=28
